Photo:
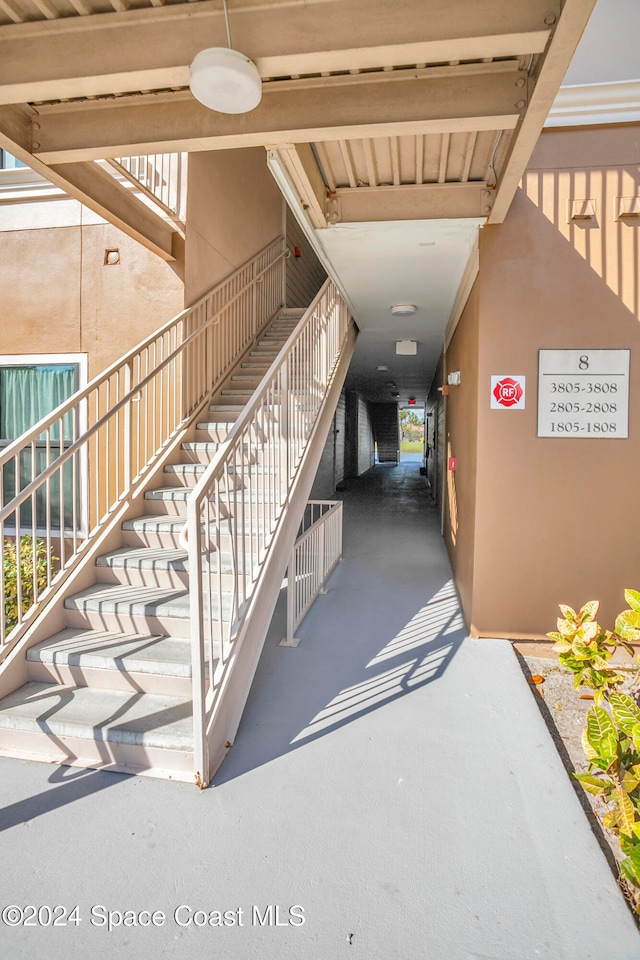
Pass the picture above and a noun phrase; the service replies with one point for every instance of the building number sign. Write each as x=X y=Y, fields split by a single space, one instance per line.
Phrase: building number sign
x=583 y=394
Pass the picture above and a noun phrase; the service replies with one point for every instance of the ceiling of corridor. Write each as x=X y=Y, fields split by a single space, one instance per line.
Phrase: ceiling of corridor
x=396 y=128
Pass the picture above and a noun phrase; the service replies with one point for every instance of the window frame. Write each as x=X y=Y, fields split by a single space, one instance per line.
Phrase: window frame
x=81 y=361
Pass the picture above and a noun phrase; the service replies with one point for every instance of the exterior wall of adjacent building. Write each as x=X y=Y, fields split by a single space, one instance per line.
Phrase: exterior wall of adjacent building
x=58 y=294
x=535 y=521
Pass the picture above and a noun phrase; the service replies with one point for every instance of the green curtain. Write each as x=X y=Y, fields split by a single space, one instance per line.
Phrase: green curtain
x=28 y=393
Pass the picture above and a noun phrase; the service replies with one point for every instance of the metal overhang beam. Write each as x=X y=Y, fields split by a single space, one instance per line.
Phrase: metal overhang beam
x=168 y=123
x=306 y=178
x=428 y=201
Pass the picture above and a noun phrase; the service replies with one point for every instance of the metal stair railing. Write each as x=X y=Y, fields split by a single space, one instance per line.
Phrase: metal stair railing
x=236 y=506
x=315 y=555
x=94 y=450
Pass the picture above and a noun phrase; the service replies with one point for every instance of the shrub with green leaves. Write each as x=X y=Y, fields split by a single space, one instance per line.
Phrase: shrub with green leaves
x=585 y=648
x=612 y=746
x=611 y=740
x=33 y=566
x=628 y=622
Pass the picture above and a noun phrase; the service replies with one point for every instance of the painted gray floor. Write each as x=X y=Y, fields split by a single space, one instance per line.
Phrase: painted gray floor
x=392 y=779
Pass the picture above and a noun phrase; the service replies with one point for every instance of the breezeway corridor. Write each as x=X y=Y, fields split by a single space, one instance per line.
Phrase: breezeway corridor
x=391 y=780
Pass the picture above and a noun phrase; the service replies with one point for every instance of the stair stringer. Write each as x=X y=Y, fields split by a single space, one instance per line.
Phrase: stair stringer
x=248 y=642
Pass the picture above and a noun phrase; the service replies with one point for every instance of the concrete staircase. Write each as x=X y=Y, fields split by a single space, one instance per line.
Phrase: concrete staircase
x=113 y=689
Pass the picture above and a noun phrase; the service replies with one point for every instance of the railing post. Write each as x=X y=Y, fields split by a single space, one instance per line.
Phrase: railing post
x=200 y=752
x=290 y=640
x=322 y=557
x=284 y=431
x=127 y=431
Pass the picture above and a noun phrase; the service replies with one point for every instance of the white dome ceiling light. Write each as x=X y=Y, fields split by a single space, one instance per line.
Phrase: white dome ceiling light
x=225 y=80
x=403 y=310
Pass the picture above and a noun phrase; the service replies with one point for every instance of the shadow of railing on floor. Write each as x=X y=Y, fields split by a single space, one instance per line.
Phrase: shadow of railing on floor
x=335 y=684
x=73 y=785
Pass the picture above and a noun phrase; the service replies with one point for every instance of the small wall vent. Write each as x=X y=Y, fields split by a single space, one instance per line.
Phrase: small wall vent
x=581 y=210
x=627 y=208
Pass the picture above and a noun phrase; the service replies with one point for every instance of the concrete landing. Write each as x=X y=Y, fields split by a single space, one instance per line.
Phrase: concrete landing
x=392 y=784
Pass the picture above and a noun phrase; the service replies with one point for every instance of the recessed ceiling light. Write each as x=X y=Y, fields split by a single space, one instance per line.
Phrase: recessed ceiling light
x=403 y=310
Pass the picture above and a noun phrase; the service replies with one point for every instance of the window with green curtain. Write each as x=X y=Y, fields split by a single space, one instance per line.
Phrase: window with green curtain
x=29 y=392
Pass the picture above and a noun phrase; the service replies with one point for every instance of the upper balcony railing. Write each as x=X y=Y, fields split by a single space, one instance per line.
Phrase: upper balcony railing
x=158 y=176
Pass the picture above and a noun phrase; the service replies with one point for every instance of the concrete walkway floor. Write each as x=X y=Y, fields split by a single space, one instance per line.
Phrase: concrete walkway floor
x=392 y=785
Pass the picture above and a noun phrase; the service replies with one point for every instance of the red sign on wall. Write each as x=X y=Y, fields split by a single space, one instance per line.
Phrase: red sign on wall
x=507 y=393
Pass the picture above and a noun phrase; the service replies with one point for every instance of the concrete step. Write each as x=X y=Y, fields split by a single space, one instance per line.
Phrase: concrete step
x=216 y=430
x=188 y=474
x=245 y=379
x=114 y=661
x=203 y=450
x=230 y=410
x=240 y=394
x=263 y=352
x=200 y=451
x=183 y=474
x=120 y=608
x=154 y=567
x=106 y=729
x=164 y=531
x=172 y=501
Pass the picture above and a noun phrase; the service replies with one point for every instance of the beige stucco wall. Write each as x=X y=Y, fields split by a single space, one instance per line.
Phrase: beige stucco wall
x=234 y=209
x=59 y=297
x=461 y=443
x=554 y=518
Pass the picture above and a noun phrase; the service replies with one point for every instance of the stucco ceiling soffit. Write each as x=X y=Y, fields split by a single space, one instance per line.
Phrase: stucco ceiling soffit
x=121 y=127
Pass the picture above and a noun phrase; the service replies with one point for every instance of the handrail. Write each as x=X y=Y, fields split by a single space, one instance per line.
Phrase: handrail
x=234 y=510
x=315 y=555
x=117 y=427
